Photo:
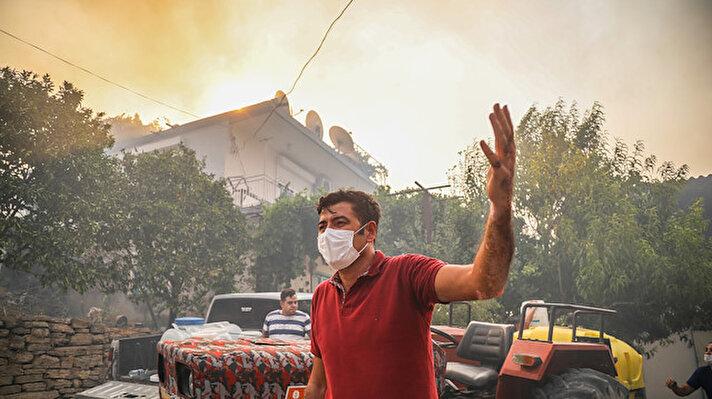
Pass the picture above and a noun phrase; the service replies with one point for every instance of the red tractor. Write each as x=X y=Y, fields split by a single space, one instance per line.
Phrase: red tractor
x=524 y=367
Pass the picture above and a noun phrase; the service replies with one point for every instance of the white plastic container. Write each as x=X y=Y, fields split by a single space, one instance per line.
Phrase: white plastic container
x=174 y=334
x=182 y=328
x=217 y=330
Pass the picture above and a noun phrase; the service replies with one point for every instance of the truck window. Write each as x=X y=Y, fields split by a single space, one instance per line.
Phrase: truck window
x=248 y=313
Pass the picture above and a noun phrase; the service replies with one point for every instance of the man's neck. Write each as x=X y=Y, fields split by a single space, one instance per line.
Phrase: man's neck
x=350 y=274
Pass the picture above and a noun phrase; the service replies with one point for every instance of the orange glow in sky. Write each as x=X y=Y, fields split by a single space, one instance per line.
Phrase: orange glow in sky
x=412 y=79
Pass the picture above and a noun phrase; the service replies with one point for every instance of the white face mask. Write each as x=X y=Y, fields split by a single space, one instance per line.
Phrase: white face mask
x=708 y=358
x=337 y=247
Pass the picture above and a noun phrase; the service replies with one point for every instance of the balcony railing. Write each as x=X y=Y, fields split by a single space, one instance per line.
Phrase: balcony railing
x=250 y=191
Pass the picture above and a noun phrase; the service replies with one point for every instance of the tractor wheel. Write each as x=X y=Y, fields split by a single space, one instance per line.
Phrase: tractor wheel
x=580 y=384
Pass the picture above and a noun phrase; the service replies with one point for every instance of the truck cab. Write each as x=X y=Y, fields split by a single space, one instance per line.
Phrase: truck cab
x=248 y=310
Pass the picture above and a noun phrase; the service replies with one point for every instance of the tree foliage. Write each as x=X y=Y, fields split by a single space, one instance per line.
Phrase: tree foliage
x=152 y=225
x=456 y=227
x=597 y=223
x=186 y=238
x=285 y=242
x=56 y=183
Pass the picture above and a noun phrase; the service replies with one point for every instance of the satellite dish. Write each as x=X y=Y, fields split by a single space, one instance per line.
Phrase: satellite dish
x=314 y=124
x=342 y=140
x=282 y=100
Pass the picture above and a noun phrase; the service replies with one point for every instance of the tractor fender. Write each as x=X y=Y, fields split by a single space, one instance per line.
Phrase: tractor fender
x=548 y=358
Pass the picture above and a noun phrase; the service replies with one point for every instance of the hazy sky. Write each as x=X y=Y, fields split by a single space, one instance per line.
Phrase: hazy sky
x=413 y=80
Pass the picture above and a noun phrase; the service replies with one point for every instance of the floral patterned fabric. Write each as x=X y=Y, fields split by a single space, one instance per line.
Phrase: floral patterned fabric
x=243 y=368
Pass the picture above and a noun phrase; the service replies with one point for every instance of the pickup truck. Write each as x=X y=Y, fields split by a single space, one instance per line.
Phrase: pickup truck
x=248 y=367
x=247 y=310
x=127 y=355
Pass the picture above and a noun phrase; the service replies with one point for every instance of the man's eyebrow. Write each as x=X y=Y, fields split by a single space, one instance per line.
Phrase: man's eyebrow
x=334 y=219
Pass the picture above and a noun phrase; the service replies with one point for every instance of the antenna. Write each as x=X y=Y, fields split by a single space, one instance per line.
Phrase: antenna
x=282 y=100
x=342 y=140
x=314 y=124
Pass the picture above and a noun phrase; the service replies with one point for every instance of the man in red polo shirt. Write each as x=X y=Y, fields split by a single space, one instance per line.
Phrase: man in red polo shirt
x=370 y=321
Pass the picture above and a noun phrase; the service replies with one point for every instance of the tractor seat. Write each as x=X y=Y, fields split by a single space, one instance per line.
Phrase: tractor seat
x=487 y=343
x=469 y=375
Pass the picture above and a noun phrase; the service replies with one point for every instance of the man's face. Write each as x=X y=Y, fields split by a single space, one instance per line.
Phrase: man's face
x=341 y=216
x=708 y=349
x=289 y=305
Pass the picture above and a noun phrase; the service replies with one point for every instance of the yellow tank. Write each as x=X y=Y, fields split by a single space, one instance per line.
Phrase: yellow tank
x=629 y=363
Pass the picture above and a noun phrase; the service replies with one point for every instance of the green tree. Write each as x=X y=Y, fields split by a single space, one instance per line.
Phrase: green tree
x=56 y=184
x=185 y=237
x=456 y=230
x=598 y=224
x=285 y=242
x=456 y=226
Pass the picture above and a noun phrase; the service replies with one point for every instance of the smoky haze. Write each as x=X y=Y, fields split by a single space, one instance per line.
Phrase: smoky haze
x=416 y=76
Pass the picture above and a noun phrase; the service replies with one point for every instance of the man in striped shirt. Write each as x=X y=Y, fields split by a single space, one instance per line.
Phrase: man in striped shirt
x=287 y=323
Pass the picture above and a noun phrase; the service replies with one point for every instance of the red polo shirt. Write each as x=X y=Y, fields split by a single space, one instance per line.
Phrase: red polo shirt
x=375 y=340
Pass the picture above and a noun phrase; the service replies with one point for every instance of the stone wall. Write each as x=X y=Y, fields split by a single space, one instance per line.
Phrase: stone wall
x=45 y=357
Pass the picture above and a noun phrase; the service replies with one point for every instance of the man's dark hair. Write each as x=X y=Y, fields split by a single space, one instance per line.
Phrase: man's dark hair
x=364 y=205
x=286 y=293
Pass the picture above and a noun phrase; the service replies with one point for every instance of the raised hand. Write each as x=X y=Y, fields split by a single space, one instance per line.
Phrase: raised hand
x=502 y=160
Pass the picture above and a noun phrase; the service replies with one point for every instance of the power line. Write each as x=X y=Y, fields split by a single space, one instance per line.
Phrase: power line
x=323 y=39
x=318 y=48
x=301 y=72
x=99 y=76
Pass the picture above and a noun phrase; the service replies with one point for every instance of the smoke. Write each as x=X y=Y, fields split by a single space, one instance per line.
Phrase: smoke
x=395 y=72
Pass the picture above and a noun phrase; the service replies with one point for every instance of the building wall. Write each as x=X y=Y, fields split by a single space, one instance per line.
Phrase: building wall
x=212 y=144
x=678 y=360
x=208 y=141
x=289 y=171
x=248 y=156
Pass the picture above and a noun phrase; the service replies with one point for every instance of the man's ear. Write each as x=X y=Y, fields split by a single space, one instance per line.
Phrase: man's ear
x=371 y=231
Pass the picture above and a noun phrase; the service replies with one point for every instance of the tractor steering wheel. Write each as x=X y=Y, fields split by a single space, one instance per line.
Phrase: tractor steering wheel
x=445 y=345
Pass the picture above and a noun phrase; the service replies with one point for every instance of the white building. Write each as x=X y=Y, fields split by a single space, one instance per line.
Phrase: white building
x=262 y=151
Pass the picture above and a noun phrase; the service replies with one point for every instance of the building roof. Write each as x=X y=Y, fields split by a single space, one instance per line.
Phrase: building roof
x=292 y=135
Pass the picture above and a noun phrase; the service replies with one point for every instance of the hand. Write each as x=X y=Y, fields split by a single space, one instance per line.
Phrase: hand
x=671 y=383
x=502 y=160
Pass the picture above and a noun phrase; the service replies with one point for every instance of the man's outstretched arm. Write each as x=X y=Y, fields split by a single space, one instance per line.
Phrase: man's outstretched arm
x=487 y=275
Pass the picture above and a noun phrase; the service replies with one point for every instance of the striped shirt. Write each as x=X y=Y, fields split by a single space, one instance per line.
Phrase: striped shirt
x=279 y=326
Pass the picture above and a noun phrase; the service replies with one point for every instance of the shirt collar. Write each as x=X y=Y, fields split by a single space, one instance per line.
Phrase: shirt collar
x=374 y=269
